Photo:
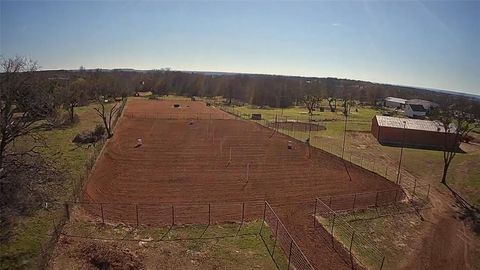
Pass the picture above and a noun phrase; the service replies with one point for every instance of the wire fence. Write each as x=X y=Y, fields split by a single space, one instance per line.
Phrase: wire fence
x=302 y=133
x=57 y=212
x=177 y=116
x=355 y=249
x=280 y=245
x=332 y=215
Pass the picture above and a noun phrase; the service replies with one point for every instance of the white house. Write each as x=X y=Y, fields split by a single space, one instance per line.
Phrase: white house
x=394 y=102
x=415 y=111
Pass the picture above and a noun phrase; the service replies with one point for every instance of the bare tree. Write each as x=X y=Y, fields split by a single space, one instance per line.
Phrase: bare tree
x=311 y=102
x=71 y=96
x=106 y=114
x=332 y=103
x=24 y=101
x=456 y=125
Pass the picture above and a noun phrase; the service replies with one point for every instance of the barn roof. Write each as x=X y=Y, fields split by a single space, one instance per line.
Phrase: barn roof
x=395 y=99
x=417 y=107
x=417 y=124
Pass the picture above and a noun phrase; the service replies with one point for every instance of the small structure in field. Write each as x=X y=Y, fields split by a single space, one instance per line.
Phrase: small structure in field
x=413 y=133
x=176 y=105
x=256 y=116
x=139 y=142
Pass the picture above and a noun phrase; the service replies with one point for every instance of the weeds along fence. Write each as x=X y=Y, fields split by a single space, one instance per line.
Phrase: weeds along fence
x=280 y=245
x=175 y=222
x=416 y=197
x=57 y=212
x=375 y=165
x=331 y=215
x=355 y=249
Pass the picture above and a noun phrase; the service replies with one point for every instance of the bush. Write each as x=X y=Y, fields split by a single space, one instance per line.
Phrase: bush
x=86 y=137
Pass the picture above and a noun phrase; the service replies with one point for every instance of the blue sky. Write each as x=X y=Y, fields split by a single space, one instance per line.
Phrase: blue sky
x=426 y=44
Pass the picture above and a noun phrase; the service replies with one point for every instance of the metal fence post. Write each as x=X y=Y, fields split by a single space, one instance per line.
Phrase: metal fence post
x=101 y=210
x=263 y=222
x=209 y=214
x=350 y=250
x=173 y=215
x=414 y=186
x=67 y=210
x=354 y=201
x=276 y=236
x=136 y=212
x=243 y=211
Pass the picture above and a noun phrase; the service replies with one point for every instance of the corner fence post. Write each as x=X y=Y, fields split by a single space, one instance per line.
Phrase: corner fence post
x=263 y=222
x=67 y=210
x=276 y=237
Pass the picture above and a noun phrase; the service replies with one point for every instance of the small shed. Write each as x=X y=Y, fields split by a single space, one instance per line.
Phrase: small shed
x=413 y=133
x=256 y=116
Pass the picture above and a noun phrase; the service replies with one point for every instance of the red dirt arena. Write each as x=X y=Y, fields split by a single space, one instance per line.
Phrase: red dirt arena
x=195 y=154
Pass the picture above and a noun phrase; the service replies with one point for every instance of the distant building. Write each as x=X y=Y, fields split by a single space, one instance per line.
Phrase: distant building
x=428 y=105
x=415 y=111
x=414 y=133
x=394 y=102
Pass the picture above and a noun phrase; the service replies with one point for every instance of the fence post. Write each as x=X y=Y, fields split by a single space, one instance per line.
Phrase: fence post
x=428 y=191
x=383 y=260
x=264 y=210
x=376 y=200
x=276 y=237
x=209 y=214
x=396 y=194
x=243 y=211
x=136 y=212
x=101 y=209
x=290 y=254
x=173 y=215
x=315 y=213
x=350 y=250
x=330 y=202
x=333 y=225
x=67 y=210
x=414 y=186
x=386 y=170
x=354 y=201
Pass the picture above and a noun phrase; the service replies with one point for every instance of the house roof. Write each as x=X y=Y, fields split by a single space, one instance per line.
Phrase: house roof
x=416 y=124
x=395 y=99
x=417 y=107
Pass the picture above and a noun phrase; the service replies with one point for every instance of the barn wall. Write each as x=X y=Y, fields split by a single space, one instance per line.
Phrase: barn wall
x=414 y=138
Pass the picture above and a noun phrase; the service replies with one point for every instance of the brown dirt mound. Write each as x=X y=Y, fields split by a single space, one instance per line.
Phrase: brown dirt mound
x=108 y=256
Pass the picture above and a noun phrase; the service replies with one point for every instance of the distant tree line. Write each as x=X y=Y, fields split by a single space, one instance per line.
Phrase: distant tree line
x=261 y=90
